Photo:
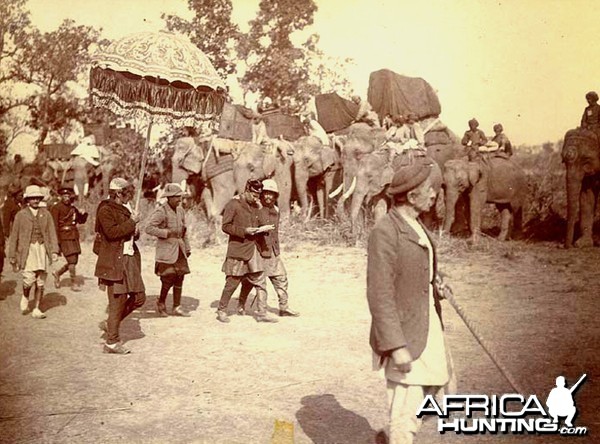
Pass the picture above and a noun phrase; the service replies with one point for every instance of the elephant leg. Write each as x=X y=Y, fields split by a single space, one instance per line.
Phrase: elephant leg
x=586 y=204
x=328 y=182
x=477 y=199
x=284 y=183
x=505 y=216
x=321 y=197
x=301 y=181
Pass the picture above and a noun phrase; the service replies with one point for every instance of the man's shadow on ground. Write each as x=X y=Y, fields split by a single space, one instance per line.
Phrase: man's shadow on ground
x=51 y=300
x=325 y=421
x=131 y=328
x=7 y=288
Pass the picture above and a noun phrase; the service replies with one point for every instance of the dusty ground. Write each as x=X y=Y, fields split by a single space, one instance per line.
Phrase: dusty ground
x=197 y=380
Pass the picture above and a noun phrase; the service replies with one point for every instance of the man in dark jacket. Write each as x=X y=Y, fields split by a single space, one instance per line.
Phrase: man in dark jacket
x=66 y=218
x=406 y=329
x=269 y=251
x=473 y=139
x=591 y=114
x=119 y=262
x=241 y=221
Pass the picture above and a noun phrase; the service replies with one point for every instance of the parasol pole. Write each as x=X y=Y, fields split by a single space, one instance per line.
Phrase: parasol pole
x=138 y=194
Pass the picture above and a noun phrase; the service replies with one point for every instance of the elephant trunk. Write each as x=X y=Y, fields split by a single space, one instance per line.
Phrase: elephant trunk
x=358 y=198
x=301 y=180
x=450 y=202
x=574 y=180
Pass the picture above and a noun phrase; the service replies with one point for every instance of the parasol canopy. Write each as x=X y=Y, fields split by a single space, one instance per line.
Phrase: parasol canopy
x=157 y=76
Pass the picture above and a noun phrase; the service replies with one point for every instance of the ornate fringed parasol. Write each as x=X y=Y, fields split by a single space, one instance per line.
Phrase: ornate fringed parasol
x=157 y=78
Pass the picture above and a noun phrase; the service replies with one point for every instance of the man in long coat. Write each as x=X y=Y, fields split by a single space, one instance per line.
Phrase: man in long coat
x=66 y=218
x=32 y=247
x=167 y=223
x=119 y=264
x=406 y=330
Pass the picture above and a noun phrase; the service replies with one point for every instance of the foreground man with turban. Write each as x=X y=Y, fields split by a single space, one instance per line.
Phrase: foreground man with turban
x=406 y=330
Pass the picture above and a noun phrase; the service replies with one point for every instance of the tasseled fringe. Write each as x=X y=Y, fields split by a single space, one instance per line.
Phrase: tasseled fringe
x=163 y=100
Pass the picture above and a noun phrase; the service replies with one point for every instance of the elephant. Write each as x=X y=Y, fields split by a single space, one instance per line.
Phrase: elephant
x=375 y=171
x=581 y=155
x=492 y=179
x=245 y=161
x=318 y=163
x=363 y=154
x=85 y=172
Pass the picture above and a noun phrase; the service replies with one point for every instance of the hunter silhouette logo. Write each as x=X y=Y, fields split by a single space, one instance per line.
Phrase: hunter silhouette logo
x=512 y=413
x=560 y=401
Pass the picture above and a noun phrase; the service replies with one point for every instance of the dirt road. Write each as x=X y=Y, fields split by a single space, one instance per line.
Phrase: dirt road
x=197 y=380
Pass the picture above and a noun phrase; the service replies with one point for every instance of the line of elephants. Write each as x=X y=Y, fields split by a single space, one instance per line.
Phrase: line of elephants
x=361 y=171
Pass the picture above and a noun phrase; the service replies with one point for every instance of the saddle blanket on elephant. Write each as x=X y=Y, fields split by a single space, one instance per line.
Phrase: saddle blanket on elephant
x=214 y=166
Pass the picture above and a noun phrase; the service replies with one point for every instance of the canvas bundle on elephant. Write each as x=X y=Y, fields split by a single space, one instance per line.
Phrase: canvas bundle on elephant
x=236 y=123
x=214 y=166
x=187 y=155
x=334 y=113
x=393 y=94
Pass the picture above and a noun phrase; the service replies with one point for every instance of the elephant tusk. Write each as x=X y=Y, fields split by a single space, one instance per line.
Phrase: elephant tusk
x=337 y=191
x=348 y=193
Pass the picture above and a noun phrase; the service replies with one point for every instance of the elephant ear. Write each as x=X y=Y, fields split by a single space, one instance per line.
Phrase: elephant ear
x=269 y=164
x=328 y=157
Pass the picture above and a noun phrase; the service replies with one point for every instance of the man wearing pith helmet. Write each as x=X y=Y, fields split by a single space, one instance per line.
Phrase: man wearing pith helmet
x=119 y=264
x=33 y=247
x=407 y=336
x=269 y=251
x=167 y=223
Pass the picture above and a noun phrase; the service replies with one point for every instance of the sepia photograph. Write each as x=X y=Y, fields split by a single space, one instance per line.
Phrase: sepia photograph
x=299 y=221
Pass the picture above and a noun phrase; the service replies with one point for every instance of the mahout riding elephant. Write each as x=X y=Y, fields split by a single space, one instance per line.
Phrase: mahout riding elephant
x=318 y=164
x=492 y=179
x=581 y=155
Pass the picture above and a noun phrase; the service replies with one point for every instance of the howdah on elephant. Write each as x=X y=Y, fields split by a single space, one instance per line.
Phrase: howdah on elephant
x=493 y=179
x=581 y=155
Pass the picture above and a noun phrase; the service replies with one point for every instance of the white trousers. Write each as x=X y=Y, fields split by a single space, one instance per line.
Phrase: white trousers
x=403 y=402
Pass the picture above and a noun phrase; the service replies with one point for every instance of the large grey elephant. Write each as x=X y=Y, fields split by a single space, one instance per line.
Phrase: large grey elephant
x=374 y=173
x=227 y=165
x=318 y=163
x=363 y=154
x=495 y=179
x=581 y=155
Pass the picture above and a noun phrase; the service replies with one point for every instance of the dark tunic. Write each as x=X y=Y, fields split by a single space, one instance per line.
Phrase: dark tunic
x=66 y=218
x=114 y=227
x=591 y=117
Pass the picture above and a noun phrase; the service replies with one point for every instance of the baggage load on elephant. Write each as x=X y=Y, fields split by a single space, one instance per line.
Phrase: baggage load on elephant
x=215 y=166
x=236 y=122
x=394 y=94
x=56 y=151
x=334 y=113
x=282 y=125
x=188 y=155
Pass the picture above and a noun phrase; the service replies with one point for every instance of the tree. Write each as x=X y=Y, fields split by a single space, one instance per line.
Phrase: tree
x=51 y=60
x=14 y=25
x=278 y=69
x=328 y=73
x=211 y=30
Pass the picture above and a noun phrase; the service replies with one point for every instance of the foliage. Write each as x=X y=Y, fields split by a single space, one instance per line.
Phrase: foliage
x=211 y=30
x=328 y=73
x=278 y=69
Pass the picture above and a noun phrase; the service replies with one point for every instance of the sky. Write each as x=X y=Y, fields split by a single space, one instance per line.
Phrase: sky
x=524 y=63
